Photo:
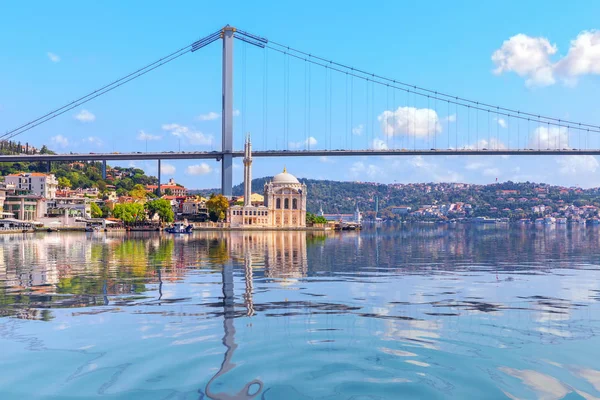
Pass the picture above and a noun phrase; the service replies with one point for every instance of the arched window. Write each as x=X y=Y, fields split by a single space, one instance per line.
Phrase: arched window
x=278 y=203
x=295 y=204
x=286 y=203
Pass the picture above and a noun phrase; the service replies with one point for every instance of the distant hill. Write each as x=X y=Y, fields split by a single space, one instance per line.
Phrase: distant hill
x=342 y=197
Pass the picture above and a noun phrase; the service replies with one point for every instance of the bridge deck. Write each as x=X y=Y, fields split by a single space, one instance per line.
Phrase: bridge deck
x=218 y=155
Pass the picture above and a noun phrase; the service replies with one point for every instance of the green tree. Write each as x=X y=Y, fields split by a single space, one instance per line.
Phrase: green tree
x=315 y=219
x=96 y=211
x=129 y=212
x=161 y=207
x=106 y=212
x=64 y=182
x=217 y=206
x=138 y=192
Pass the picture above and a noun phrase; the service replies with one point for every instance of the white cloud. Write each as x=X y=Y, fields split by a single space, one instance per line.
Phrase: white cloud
x=198 y=169
x=192 y=136
x=552 y=137
x=422 y=170
x=379 y=144
x=418 y=162
x=360 y=170
x=236 y=113
x=85 y=116
x=529 y=57
x=410 y=121
x=449 y=118
x=167 y=169
x=326 y=160
x=492 y=144
x=309 y=143
x=147 y=136
x=501 y=122
x=358 y=130
x=491 y=172
x=576 y=165
x=473 y=166
x=583 y=57
x=53 y=57
x=209 y=116
x=93 y=140
x=60 y=140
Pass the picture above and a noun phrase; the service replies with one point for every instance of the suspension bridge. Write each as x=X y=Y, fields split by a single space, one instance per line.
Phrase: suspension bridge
x=353 y=113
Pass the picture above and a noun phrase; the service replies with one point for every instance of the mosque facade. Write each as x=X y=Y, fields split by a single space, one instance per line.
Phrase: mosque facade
x=284 y=200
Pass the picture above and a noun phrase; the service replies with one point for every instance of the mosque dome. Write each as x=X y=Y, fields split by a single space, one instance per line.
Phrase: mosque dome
x=285 y=178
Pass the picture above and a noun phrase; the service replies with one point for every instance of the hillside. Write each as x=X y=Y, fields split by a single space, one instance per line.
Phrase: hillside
x=487 y=200
x=75 y=174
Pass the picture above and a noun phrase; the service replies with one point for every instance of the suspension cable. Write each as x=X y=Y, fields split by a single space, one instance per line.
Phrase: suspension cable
x=111 y=86
x=426 y=90
x=452 y=99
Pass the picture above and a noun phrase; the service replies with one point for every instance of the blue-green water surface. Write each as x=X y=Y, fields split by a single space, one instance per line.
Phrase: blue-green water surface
x=392 y=312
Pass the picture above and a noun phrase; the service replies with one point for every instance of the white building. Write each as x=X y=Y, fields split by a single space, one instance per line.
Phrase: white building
x=284 y=200
x=36 y=183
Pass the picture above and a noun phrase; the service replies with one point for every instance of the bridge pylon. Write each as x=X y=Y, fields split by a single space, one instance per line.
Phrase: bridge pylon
x=227 y=34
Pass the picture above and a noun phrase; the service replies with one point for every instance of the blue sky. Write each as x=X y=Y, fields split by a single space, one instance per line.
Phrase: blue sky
x=535 y=56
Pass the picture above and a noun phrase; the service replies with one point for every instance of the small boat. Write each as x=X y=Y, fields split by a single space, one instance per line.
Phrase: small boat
x=52 y=230
x=91 y=229
x=179 y=227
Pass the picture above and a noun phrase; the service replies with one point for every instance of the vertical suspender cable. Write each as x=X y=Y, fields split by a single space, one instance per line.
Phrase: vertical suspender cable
x=346 y=117
x=330 y=109
x=448 y=124
x=394 y=113
x=326 y=106
x=477 y=129
x=305 y=105
x=415 y=123
x=468 y=127
x=309 y=104
x=373 y=112
x=367 y=111
x=264 y=99
x=456 y=127
x=352 y=112
x=428 y=118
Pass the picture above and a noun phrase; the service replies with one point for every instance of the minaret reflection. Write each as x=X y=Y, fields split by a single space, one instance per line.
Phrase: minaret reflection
x=254 y=387
x=248 y=301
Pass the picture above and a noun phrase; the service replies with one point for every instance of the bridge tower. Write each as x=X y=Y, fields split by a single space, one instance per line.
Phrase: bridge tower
x=227 y=34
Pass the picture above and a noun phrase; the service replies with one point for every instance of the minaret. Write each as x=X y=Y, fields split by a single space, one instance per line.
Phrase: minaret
x=247 y=172
x=357 y=215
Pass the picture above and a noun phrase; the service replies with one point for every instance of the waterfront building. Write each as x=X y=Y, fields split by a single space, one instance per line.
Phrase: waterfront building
x=36 y=183
x=70 y=206
x=25 y=207
x=401 y=210
x=194 y=208
x=172 y=187
x=355 y=217
x=284 y=200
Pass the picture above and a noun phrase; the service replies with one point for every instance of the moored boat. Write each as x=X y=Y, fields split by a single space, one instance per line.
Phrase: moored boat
x=180 y=227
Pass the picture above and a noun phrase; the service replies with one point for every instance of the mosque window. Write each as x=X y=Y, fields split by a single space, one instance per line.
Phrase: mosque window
x=278 y=203
x=295 y=204
x=286 y=203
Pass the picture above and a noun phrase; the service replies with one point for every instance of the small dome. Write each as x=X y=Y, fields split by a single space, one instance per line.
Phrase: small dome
x=284 y=177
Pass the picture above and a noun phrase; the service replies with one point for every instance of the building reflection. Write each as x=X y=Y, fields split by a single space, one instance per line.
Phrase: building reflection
x=282 y=255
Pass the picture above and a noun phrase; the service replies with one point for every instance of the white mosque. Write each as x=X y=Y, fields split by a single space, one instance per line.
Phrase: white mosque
x=284 y=200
